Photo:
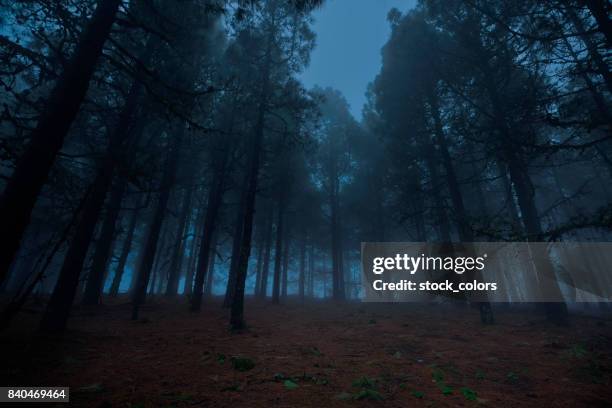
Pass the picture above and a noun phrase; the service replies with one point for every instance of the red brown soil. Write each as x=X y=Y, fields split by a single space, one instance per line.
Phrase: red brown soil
x=409 y=354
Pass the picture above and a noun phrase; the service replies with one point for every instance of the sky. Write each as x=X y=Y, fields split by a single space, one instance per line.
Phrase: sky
x=350 y=34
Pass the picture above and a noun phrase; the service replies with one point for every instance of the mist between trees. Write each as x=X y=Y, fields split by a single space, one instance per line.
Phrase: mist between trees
x=168 y=148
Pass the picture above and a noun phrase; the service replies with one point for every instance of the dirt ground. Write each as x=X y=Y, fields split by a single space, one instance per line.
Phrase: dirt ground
x=314 y=355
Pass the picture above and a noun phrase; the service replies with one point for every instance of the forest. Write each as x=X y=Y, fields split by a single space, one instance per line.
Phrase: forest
x=182 y=217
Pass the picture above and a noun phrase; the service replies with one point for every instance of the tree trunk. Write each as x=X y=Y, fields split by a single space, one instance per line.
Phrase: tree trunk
x=144 y=270
x=465 y=230
x=311 y=270
x=236 y=242
x=215 y=199
x=125 y=251
x=58 y=308
x=95 y=280
x=210 y=274
x=263 y=287
x=47 y=139
x=179 y=246
x=443 y=224
x=278 y=249
x=259 y=265
x=337 y=270
x=556 y=311
x=237 y=310
x=193 y=258
x=285 y=270
x=302 y=277
x=162 y=259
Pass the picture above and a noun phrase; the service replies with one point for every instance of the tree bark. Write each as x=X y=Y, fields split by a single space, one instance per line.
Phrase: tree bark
x=125 y=251
x=179 y=246
x=464 y=228
x=47 y=139
x=259 y=265
x=193 y=258
x=210 y=274
x=302 y=277
x=144 y=270
x=215 y=199
x=263 y=287
x=58 y=309
x=237 y=310
x=95 y=280
x=278 y=249
x=556 y=311
x=285 y=270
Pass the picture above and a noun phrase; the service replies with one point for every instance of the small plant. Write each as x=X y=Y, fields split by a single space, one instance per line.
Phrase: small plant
x=242 y=363
x=221 y=358
x=578 y=351
x=364 y=382
x=368 y=394
x=469 y=394
x=418 y=394
x=315 y=351
x=321 y=381
x=437 y=375
x=290 y=385
x=512 y=377
x=447 y=390
x=480 y=375
x=368 y=389
x=184 y=397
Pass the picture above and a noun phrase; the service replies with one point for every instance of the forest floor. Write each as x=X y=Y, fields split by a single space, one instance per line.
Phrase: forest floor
x=317 y=354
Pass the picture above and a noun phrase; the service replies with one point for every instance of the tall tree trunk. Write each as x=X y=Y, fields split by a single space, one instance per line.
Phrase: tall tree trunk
x=95 y=280
x=337 y=270
x=509 y=194
x=179 y=246
x=311 y=270
x=47 y=139
x=278 y=248
x=125 y=251
x=443 y=224
x=263 y=287
x=285 y=271
x=555 y=311
x=193 y=257
x=259 y=266
x=210 y=274
x=237 y=310
x=63 y=295
x=162 y=259
x=58 y=308
x=464 y=228
x=215 y=199
x=302 y=277
x=144 y=270
x=236 y=242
